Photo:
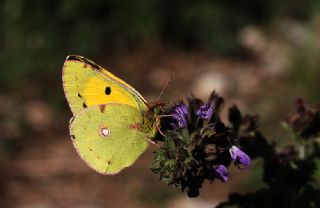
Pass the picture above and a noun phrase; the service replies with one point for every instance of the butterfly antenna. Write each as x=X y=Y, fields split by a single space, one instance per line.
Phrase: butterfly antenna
x=165 y=86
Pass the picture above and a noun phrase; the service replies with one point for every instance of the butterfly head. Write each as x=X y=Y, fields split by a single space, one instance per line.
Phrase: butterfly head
x=151 y=117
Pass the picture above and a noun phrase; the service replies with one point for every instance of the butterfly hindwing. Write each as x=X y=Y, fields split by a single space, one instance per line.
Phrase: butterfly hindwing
x=87 y=84
x=107 y=137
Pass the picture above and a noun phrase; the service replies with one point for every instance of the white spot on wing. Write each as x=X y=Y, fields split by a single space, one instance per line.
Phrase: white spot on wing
x=104 y=131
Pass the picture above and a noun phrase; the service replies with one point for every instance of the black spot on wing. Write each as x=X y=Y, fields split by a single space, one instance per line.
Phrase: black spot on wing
x=79 y=95
x=107 y=90
x=84 y=105
x=73 y=137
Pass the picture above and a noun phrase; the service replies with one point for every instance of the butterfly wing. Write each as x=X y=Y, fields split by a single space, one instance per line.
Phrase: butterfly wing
x=107 y=137
x=87 y=84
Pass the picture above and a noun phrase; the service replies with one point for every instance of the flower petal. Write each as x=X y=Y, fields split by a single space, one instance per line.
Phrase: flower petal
x=222 y=173
x=205 y=111
x=239 y=157
x=179 y=115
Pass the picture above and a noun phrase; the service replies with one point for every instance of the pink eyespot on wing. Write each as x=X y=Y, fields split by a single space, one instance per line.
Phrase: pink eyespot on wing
x=104 y=131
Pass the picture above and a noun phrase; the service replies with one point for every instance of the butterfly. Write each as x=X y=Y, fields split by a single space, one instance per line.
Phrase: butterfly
x=111 y=121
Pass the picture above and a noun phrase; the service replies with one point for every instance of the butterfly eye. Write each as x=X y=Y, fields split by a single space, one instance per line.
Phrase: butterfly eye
x=104 y=131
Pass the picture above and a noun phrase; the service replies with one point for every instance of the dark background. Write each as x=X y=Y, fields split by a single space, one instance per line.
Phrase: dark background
x=257 y=54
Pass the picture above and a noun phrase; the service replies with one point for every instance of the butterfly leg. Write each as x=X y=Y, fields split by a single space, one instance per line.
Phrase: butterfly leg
x=160 y=131
x=151 y=141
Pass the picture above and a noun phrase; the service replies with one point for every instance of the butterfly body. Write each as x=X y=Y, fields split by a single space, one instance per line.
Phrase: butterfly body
x=112 y=122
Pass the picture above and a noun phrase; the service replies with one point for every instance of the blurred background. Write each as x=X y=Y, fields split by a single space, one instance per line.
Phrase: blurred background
x=257 y=54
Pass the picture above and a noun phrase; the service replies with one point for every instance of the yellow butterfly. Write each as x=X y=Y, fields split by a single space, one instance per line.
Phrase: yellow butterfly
x=111 y=119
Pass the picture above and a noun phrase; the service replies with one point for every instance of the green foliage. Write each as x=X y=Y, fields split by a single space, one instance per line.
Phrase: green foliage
x=36 y=35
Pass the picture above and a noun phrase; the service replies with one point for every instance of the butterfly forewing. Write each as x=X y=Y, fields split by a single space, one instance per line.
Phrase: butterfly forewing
x=87 y=84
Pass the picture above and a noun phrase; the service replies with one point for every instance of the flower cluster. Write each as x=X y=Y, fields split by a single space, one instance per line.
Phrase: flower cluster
x=290 y=172
x=197 y=145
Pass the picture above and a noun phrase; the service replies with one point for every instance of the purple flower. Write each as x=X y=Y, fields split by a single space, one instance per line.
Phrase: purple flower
x=222 y=173
x=239 y=157
x=180 y=115
x=205 y=111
